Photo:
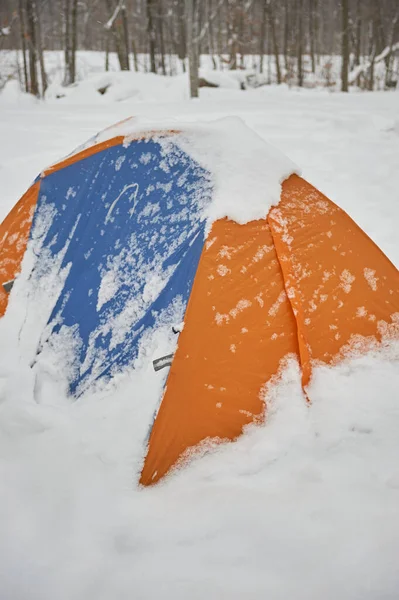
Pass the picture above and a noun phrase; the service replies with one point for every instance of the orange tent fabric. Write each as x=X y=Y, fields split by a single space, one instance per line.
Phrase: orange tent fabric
x=100 y=146
x=307 y=281
x=344 y=291
x=239 y=325
x=14 y=234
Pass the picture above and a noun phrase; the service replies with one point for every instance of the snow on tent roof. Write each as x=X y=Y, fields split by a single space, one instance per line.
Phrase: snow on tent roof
x=241 y=163
x=150 y=224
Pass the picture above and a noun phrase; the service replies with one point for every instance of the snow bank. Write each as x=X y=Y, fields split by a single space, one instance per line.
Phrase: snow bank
x=111 y=87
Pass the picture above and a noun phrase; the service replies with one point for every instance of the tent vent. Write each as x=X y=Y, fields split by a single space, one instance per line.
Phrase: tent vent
x=164 y=361
x=8 y=286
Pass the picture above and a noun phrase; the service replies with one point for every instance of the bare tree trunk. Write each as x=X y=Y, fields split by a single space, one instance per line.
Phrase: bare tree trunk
x=345 y=45
x=358 y=37
x=211 y=42
x=372 y=52
x=233 y=36
x=269 y=52
x=53 y=34
x=23 y=43
x=286 y=35
x=358 y=32
x=380 y=37
x=135 y=59
x=117 y=25
x=252 y=36
x=161 y=37
x=31 y=27
x=181 y=28
x=262 y=35
x=300 y=42
x=316 y=29
x=151 y=35
x=67 y=36
x=394 y=29
x=126 y=44
x=198 y=29
x=312 y=35
x=241 y=37
x=274 y=40
x=107 y=39
x=220 y=36
x=192 y=48
x=74 y=41
x=43 y=75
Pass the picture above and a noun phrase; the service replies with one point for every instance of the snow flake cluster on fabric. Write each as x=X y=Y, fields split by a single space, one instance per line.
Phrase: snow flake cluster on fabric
x=136 y=216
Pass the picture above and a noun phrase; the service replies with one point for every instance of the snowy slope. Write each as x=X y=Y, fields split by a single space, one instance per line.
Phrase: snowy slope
x=305 y=507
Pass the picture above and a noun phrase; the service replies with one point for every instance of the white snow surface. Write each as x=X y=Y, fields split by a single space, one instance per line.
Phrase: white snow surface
x=303 y=507
x=247 y=171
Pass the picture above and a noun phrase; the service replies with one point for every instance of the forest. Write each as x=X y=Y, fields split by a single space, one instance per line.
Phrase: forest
x=285 y=40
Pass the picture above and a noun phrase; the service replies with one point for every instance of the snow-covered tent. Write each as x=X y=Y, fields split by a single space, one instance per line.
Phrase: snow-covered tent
x=149 y=226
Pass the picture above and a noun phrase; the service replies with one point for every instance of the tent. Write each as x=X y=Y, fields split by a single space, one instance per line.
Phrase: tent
x=145 y=226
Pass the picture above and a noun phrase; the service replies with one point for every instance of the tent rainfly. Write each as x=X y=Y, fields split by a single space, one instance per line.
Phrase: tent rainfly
x=205 y=224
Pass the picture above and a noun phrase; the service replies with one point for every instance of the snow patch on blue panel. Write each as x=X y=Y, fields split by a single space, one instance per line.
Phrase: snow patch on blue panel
x=128 y=223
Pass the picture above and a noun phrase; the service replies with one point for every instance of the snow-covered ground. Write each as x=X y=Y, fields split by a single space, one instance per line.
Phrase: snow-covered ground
x=305 y=507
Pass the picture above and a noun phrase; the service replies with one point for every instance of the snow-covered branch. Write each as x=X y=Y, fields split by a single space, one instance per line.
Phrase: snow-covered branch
x=358 y=70
x=110 y=23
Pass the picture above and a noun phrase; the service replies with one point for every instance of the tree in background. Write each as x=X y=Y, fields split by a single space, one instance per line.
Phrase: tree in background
x=70 y=16
x=31 y=18
x=117 y=25
x=300 y=42
x=192 y=47
x=21 y=13
x=345 y=45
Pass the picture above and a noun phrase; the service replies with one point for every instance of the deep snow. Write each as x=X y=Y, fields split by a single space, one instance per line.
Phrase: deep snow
x=305 y=507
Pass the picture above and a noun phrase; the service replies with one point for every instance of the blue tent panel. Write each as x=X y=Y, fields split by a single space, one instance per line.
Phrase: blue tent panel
x=130 y=222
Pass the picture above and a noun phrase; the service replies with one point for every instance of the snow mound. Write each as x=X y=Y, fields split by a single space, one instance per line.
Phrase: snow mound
x=111 y=87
